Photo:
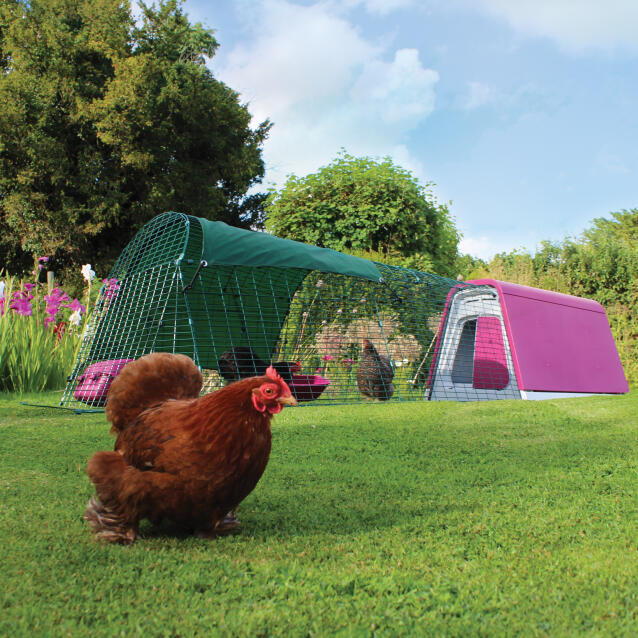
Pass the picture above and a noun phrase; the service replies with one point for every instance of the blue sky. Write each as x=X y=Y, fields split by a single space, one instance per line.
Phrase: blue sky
x=522 y=112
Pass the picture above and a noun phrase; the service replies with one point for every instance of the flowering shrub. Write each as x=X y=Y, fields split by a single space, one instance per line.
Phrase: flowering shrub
x=39 y=335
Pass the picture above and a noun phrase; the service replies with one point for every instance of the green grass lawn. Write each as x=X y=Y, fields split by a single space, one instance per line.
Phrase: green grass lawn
x=484 y=519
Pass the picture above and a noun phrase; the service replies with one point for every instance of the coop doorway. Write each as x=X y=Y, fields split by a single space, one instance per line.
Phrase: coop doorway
x=473 y=360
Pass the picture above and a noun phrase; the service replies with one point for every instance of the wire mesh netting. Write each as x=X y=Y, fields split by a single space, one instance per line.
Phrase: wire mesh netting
x=334 y=338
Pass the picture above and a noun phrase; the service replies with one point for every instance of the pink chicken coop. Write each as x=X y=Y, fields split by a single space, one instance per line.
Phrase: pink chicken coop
x=500 y=340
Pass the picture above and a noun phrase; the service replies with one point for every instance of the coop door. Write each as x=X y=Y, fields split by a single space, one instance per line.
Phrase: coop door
x=490 y=362
x=480 y=356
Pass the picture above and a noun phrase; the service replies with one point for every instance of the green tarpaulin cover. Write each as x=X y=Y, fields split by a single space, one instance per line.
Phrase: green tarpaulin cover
x=229 y=246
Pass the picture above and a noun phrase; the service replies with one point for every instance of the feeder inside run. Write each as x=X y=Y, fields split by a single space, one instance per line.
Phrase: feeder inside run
x=339 y=329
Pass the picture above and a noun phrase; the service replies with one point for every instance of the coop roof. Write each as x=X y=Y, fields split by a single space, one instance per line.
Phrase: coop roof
x=229 y=246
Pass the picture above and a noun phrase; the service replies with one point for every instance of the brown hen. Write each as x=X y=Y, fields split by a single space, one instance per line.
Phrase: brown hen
x=374 y=374
x=179 y=456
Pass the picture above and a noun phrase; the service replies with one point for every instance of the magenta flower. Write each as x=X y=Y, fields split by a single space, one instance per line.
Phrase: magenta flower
x=76 y=306
x=26 y=293
x=22 y=306
x=56 y=297
x=51 y=311
x=112 y=286
x=54 y=301
x=328 y=357
x=41 y=262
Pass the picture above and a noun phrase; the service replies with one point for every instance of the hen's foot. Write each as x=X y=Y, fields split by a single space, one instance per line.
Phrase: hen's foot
x=107 y=525
x=230 y=524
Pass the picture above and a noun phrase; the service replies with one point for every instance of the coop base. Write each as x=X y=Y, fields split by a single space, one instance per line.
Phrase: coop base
x=540 y=396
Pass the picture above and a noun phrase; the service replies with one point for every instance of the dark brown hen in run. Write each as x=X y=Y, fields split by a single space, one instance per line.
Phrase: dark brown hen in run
x=374 y=374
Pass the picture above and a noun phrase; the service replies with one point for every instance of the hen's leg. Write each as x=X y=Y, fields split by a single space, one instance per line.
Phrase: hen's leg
x=227 y=525
x=230 y=524
x=125 y=495
x=108 y=525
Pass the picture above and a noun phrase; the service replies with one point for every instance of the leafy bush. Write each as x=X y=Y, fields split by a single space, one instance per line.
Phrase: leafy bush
x=373 y=209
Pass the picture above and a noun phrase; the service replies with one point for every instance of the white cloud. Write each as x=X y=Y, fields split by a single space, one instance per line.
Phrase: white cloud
x=574 y=25
x=479 y=94
x=383 y=7
x=325 y=86
x=485 y=247
x=401 y=91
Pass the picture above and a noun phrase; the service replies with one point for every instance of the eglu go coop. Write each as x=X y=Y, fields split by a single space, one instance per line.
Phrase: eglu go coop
x=339 y=329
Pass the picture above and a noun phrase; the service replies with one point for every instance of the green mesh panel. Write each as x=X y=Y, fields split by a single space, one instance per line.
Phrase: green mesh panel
x=240 y=306
x=163 y=240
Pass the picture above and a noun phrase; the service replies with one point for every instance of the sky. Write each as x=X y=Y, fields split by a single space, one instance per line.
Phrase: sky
x=522 y=113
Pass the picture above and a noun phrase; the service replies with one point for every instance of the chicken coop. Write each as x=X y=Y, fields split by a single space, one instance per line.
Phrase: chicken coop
x=339 y=329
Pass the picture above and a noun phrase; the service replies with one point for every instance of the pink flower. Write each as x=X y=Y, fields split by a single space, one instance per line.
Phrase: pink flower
x=54 y=300
x=319 y=370
x=22 y=306
x=328 y=357
x=347 y=362
x=56 y=297
x=51 y=310
x=24 y=294
x=41 y=262
x=76 y=306
x=112 y=286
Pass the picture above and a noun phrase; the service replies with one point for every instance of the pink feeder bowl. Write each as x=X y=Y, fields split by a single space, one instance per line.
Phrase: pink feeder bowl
x=95 y=381
x=307 y=387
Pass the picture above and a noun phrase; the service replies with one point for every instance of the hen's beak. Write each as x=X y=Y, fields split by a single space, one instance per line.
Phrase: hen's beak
x=287 y=400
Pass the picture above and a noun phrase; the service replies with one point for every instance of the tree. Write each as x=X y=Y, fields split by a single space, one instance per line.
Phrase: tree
x=104 y=124
x=622 y=227
x=363 y=206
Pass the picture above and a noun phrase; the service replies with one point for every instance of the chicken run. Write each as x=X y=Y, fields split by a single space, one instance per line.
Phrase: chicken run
x=337 y=328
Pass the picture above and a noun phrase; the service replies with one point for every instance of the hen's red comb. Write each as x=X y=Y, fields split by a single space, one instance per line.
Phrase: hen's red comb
x=271 y=373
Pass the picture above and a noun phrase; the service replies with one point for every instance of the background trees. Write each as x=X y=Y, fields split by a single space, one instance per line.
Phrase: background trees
x=105 y=123
x=370 y=208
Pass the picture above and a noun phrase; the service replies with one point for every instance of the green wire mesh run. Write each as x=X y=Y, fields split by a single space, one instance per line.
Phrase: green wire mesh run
x=334 y=338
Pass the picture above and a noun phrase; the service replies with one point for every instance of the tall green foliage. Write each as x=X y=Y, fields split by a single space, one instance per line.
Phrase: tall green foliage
x=34 y=356
x=368 y=208
x=104 y=124
x=601 y=265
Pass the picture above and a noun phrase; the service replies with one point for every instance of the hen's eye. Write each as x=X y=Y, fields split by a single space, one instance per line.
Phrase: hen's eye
x=269 y=391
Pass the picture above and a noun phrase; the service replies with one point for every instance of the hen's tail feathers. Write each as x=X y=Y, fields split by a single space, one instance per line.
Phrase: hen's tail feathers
x=107 y=525
x=150 y=380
